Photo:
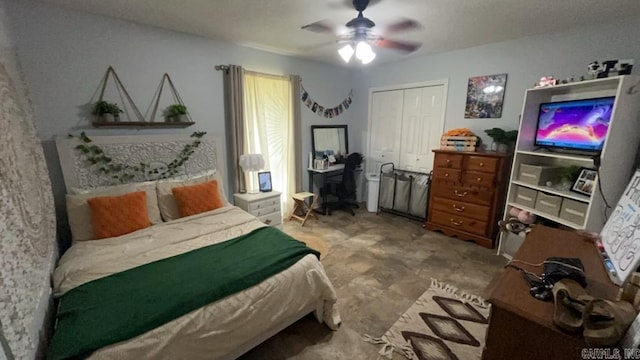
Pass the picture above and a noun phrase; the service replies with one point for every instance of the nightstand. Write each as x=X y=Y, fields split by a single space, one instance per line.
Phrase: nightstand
x=265 y=206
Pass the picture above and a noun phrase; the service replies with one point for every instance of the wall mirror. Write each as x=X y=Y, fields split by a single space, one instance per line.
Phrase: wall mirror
x=329 y=140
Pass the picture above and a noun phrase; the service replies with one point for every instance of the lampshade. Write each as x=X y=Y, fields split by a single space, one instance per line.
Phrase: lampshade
x=251 y=162
x=363 y=52
x=362 y=49
x=346 y=52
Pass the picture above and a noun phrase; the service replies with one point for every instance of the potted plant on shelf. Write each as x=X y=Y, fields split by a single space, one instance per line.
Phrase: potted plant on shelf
x=503 y=141
x=567 y=175
x=176 y=113
x=107 y=112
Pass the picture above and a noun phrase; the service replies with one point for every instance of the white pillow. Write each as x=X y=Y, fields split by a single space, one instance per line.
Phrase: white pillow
x=166 y=201
x=79 y=212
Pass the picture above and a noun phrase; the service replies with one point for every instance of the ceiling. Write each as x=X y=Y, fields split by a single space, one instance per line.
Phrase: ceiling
x=275 y=25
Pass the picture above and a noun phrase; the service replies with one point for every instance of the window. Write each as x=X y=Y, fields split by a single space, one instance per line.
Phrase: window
x=269 y=130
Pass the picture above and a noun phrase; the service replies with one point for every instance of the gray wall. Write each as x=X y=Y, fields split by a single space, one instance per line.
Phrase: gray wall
x=65 y=54
x=5 y=42
x=524 y=60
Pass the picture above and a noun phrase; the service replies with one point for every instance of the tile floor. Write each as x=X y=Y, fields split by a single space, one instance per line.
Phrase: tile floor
x=379 y=265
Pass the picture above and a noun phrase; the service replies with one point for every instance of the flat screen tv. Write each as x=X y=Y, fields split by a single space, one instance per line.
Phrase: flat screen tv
x=578 y=125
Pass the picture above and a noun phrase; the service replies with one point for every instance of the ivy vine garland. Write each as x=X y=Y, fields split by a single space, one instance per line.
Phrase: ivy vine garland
x=96 y=156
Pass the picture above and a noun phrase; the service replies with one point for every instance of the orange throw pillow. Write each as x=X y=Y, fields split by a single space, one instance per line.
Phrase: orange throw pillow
x=118 y=215
x=196 y=199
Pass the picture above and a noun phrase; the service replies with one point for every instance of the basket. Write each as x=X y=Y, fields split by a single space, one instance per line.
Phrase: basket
x=458 y=143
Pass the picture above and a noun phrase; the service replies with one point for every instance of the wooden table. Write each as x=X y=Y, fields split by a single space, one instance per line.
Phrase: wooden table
x=520 y=326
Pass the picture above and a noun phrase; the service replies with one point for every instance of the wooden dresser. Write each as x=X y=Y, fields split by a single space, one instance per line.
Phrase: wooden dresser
x=467 y=194
x=520 y=326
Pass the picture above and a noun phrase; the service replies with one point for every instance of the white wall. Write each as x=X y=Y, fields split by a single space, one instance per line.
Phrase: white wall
x=524 y=60
x=65 y=54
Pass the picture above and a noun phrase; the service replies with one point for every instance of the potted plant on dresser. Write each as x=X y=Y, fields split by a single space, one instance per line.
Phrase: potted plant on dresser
x=503 y=141
x=176 y=113
x=106 y=112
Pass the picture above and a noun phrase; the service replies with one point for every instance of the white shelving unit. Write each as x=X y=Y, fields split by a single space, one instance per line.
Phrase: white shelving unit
x=616 y=158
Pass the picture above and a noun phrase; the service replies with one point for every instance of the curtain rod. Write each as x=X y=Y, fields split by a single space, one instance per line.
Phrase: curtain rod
x=221 y=67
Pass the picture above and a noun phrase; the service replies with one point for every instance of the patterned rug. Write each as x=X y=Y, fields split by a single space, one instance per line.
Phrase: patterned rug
x=443 y=324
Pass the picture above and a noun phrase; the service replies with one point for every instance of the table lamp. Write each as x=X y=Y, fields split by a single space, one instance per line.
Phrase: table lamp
x=252 y=163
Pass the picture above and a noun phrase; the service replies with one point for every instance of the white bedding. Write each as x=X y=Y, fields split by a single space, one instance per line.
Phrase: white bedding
x=220 y=328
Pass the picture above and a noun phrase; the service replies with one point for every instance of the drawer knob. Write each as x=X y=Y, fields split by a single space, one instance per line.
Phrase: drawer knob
x=446 y=174
x=460 y=209
x=479 y=179
x=463 y=194
x=268 y=221
x=456 y=223
x=481 y=164
x=448 y=161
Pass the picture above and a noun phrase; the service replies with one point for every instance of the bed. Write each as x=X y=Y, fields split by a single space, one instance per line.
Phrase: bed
x=224 y=328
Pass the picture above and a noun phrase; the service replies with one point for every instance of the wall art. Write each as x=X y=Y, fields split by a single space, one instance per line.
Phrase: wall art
x=485 y=96
x=327 y=112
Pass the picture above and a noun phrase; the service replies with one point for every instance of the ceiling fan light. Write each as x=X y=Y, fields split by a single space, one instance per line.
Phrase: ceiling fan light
x=368 y=57
x=346 y=52
x=363 y=49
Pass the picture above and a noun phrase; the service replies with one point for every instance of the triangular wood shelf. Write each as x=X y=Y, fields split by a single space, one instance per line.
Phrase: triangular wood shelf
x=111 y=72
x=176 y=97
x=129 y=124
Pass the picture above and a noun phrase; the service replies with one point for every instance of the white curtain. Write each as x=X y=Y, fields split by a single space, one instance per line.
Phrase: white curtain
x=269 y=130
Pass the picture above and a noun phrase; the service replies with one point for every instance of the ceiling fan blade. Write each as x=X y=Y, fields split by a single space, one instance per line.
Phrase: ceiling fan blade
x=320 y=27
x=398 y=45
x=403 y=25
x=312 y=47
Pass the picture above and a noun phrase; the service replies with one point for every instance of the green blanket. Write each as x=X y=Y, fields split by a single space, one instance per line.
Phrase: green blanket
x=124 y=305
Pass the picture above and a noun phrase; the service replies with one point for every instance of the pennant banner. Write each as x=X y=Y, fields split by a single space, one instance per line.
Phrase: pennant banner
x=320 y=110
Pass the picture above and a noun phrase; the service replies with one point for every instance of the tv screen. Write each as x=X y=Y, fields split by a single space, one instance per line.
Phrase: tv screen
x=574 y=125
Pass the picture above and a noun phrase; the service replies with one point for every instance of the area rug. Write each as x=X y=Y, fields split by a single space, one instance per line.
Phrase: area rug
x=443 y=324
x=315 y=243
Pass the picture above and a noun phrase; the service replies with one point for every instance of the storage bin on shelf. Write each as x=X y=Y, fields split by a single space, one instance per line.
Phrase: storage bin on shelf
x=537 y=174
x=526 y=197
x=548 y=204
x=458 y=143
x=573 y=211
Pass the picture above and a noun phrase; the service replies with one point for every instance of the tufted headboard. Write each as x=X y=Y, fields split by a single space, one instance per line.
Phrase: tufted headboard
x=155 y=150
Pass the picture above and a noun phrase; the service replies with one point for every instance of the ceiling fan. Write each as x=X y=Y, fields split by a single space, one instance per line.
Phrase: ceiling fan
x=361 y=34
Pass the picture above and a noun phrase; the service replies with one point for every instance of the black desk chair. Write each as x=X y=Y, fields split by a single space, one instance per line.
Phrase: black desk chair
x=345 y=190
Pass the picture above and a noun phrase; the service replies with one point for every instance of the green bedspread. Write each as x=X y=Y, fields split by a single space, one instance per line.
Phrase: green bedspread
x=126 y=304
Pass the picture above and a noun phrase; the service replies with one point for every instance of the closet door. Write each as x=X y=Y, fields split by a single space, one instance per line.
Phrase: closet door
x=386 y=121
x=422 y=126
x=411 y=129
x=432 y=121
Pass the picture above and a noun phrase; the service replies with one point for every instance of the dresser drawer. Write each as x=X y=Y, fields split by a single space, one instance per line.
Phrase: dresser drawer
x=261 y=204
x=482 y=164
x=271 y=219
x=459 y=222
x=463 y=194
x=265 y=210
x=453 y=161
x=476 y=178
x=461 y=208
x=446 y=174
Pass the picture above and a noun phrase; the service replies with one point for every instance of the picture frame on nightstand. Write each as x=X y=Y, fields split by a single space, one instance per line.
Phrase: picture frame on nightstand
x=264 y=181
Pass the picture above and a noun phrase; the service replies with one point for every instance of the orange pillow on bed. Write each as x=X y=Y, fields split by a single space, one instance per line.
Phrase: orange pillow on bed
x=196 y=199
x=118 y=215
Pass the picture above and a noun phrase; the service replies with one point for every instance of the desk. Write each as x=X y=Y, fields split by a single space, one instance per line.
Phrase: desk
x=332 y=170
x=521 y=327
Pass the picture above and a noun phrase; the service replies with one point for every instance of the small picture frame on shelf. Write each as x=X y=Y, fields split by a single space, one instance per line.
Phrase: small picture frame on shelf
x=264 y=181
x=585 y=182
